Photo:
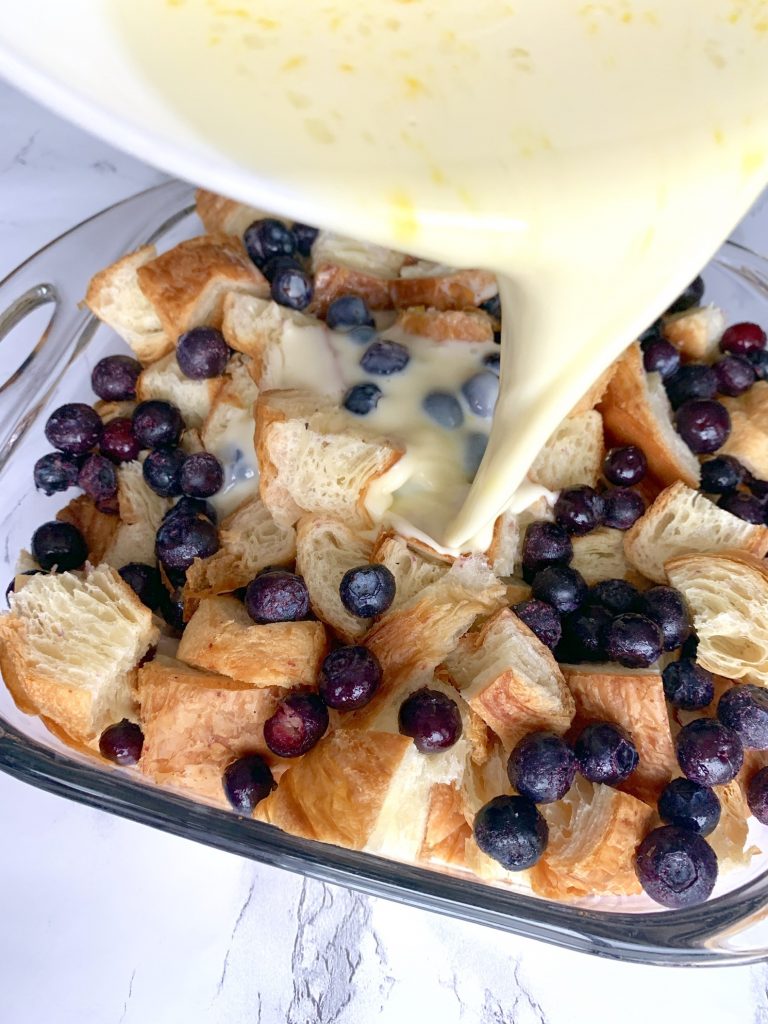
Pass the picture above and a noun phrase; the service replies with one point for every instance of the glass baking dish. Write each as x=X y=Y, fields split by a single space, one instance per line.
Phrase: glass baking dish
x=47 y=367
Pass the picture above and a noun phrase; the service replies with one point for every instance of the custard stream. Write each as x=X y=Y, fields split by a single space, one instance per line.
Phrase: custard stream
x=594 y=155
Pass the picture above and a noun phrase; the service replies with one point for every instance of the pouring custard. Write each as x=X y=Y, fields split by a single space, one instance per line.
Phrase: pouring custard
x=592 y=155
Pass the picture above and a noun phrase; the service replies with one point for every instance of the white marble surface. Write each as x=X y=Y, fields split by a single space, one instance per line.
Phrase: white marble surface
x=106 y=922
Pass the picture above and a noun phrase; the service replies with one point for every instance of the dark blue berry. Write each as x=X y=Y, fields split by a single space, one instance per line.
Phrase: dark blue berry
x=688 y=298
x=735 y=375
x=579 y=510
x=493 y=362
x=74 y=428
x=55 y=472
x=118 y=441
x=744 y=506
x=444 y=409
x=172 y=611
x=512 y=831
x=704 y=425
x=688 y=805
x=367 y=590
x=622 y=507
x=348 y=311
x=98 y=478
x=688 y=685
x=691 y=381
x=277 y=596
x=545 y=544
x=542 y=620
x=721 y=475
x=652 y=333
x=708 y=752
x=202 y=353
x=492 y=306
x=180 y=540
x=605 y=753
x=743 y=338
x=481 y=392
x=559 y=585
x=122 y=743
x=587 y=630
x=292 y=287
x=362 y=398
x=188 y=508
x=60 y=545
x=114 y=378
x=542 y=767
x=758 y=360
x=146 y=583
x=659 y=356
x=617 y=596
x=384 y=357
x=676 y=867
x=625 y=466
x=299 y=721
x=757 y=795
x=361 y=335
x=744 y=708
x=633 y=640
x=666 y=607
x=201 y=476
x=157 y=424
x=431 y=719
x=349 y=678
x=474 y=450
x=246 y=782
x=267 y=238
x=304 y=236
x=272 y=267
x=161 y=471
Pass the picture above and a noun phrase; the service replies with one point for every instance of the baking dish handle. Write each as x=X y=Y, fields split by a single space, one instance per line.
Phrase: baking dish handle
x=55 y=276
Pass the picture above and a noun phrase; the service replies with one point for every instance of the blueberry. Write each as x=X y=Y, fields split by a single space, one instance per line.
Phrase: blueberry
x=652 y=333
x=542 y=620
x=625 y=466
x=74 y=428
x=688 y=685
x=493 y=362
x=118 y=441
x=481 y=392
x=693 y=380
x=721 y=474
x=384 y=357
x=676 y=867
x=363 y=335
x=605 y=753
x=188 y=508
x=114 y=378
x=559 y=585
x=146 y=583
x=633 y=640
x=542 y=767
x=202 y=353
x=362 y=398
x=348 y=311
x=757 y=795
x=292 y=287
x=349 y=678
x=157 y=424
x=304 y=236
x=180 y=540
x=492 y=306
x=579 y=510
x=122 y=743
x=431 y=719
x=688 y=298
x=661 y=357
x=758 y=360
x=709 y=752
x=545 y=544
x=55 y=472
x=586 y=630
x=267 y=238
x=98 y=478
x=743 y=338
x=444 y=409
x=277 y=596
x=617 y=596
x=367 y=590
x=688 y=805
x=744 y=506
x=273 y=267
x=161 y=470
x=474 y=450
x=512 y=831
x=666 y=607
x=622 y=508
x=59 y=544
x=299 y=721
x=758 y=487
x=734 y=375
x=247 y=781
x=744 y=708
x=201 y=476
x=172 y=610
x=704 y=425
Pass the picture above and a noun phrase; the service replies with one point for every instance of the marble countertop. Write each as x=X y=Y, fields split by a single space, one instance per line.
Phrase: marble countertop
x=108 y=922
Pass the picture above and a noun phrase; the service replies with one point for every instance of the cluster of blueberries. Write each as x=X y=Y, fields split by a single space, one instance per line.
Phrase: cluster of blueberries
x=703 y=422
x=281 y=253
